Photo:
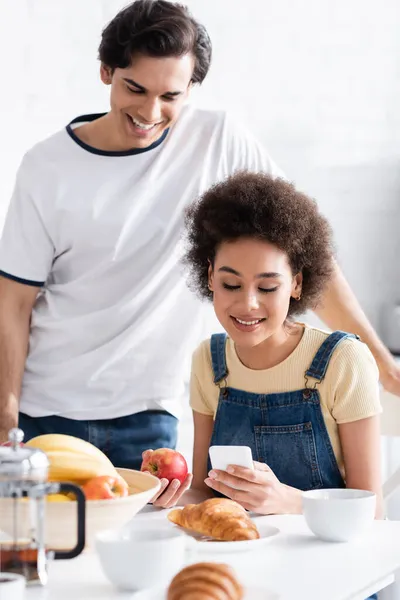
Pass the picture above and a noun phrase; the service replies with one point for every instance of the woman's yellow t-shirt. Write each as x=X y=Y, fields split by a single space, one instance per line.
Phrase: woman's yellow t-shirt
x=349 y=392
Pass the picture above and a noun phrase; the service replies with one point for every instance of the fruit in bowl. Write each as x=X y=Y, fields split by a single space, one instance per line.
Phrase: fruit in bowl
x=105 y=487
x=165 y=463
x=72 y=459
x=58 y=498
x=76 y=461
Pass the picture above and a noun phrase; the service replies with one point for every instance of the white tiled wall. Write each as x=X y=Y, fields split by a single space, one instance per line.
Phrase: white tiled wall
x=318 y=82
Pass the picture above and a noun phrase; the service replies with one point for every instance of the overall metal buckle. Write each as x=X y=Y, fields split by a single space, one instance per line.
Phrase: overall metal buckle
x=309 y=390
x=223 y=389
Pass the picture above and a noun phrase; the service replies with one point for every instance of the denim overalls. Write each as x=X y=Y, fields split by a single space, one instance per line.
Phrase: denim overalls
x=285 y=430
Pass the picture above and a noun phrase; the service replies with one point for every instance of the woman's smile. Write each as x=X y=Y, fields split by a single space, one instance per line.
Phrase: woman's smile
x=247 y=324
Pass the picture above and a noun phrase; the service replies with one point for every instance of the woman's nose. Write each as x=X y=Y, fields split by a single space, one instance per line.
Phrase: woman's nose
x=251 y=301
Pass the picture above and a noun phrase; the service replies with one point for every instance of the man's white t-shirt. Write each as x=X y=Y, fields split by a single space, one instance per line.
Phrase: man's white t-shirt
x=114 y=325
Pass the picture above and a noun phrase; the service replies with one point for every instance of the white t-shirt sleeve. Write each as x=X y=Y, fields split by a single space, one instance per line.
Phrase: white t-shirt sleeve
x=244 y=152
x=26 y=248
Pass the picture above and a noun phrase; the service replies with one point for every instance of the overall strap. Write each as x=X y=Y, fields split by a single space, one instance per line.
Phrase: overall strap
x=320 y=362
x=217 y=343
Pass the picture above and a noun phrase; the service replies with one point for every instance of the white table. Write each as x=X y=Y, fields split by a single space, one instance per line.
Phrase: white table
x=294 y=564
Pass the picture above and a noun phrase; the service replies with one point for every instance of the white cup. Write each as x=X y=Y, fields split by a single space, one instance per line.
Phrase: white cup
x=12 y=586
x=138 y=558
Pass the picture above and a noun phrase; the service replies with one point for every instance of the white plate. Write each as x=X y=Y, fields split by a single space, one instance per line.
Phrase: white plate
x=250 y=593
x=207 y=544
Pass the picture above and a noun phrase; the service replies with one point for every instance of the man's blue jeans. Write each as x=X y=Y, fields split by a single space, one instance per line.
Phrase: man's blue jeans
x=122 y=439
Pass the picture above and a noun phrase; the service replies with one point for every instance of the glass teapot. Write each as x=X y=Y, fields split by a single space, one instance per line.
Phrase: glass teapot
x=23 y=491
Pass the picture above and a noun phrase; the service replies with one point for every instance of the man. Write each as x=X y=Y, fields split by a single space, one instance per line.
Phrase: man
x=96 y=322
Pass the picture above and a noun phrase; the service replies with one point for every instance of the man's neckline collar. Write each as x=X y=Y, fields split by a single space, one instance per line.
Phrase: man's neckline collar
x=93 y=117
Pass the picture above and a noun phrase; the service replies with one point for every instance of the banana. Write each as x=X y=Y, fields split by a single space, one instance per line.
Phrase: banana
x=72 y=459
x=50 y=442
x=76 y=468
x=58 y=498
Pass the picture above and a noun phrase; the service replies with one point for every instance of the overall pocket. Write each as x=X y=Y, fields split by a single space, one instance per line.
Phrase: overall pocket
x=290 y=451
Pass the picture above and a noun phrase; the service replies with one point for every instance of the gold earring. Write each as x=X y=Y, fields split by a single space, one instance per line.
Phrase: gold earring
x=298 y=298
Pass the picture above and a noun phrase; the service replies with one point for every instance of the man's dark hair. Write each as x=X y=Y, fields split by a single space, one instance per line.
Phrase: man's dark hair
x=254 y=205
x=155 y=28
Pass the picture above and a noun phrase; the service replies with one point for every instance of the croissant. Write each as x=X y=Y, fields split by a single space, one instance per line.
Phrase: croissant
x=205 y=581
x=220 y=518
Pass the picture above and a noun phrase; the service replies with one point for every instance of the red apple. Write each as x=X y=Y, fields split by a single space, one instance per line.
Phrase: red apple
x=165 y=463
x=104 y=487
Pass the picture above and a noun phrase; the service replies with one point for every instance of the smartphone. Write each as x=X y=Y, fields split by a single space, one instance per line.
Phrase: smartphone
x=222 y=456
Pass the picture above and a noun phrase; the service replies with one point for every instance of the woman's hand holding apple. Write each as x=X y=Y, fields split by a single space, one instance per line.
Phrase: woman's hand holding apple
x=171 y=468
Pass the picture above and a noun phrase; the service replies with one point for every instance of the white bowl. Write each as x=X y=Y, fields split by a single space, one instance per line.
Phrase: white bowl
x=137 y=557
x=339 y=515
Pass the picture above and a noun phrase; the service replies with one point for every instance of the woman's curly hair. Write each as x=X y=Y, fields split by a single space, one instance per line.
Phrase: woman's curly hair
x=254 y=205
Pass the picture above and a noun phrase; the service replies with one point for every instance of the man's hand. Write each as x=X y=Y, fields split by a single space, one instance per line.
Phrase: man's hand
x=339 y=309
x=390 y=377
x=9 y=418
x=259 y=491
x=3 y=437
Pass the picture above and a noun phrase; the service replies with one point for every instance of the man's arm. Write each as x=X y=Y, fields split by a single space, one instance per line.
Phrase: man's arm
x=339 y=309
x=16 y=303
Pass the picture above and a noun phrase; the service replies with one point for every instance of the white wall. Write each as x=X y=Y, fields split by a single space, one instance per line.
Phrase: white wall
x=317 y=81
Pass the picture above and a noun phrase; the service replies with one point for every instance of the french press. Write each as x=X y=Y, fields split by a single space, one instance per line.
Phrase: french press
x=23 y=491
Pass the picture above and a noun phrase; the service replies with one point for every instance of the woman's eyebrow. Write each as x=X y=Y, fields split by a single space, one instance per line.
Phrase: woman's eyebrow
x=267 y=275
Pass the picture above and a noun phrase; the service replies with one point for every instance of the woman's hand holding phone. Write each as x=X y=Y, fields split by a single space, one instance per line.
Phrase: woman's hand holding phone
x=257 y=489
